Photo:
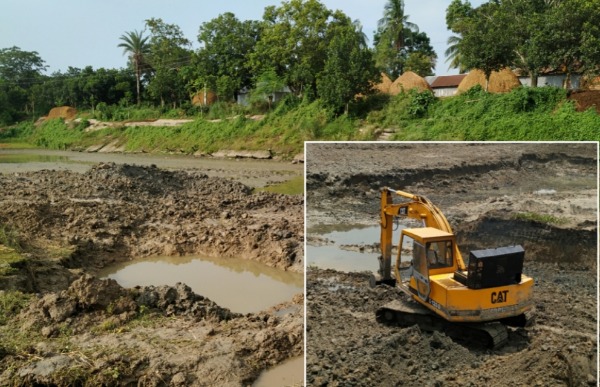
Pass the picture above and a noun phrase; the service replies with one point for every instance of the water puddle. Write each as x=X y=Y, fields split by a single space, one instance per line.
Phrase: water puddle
x=241 y=285
x=336 y=255
x=288 y=373
x=349 y=248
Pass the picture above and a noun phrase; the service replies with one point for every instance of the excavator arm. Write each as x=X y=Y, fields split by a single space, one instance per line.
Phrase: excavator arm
x=418 y=208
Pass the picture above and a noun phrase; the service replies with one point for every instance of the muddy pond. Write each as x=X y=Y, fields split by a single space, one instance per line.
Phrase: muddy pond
x=240 y=285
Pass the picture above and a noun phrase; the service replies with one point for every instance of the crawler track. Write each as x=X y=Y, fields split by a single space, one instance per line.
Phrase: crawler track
x=407 y=313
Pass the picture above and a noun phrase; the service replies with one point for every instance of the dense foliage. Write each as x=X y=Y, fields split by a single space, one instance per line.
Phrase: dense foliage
x=533 y=36
x=319 y=58
x=527 y=114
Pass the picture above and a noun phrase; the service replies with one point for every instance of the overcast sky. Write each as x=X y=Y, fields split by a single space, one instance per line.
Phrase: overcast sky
x=81 y=33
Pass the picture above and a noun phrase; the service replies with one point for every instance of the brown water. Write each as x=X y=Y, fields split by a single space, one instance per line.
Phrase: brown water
x=241 y=285
x=288 y=373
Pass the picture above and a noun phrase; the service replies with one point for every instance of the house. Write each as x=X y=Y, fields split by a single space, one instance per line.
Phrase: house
x=552 y=79
x=445 y=85
x=243 y=97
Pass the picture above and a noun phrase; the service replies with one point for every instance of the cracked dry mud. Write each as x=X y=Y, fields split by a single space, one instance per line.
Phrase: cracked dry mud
x=481 y=188
x=80 y=330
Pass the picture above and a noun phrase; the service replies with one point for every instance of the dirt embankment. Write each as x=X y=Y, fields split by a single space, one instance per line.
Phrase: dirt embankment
x=79 y=329
x=542 y=196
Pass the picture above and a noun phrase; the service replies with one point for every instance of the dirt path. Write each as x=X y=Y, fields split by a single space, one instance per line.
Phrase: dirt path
x=491 y=194
x=76 y=329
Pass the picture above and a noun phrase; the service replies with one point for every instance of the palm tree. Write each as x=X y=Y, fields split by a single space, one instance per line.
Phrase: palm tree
x=361 y=35
x=453 y=54
x=396 y=23
x=136 y=46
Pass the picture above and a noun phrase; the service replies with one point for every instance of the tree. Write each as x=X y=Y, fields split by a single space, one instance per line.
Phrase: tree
x=395 y=23
x=294 y=42
x=349 y=69
x=396 y=38
x=527 y=19
x=267 y=84
x=485 y=44
x=19 y=71
x=168 y=53
x=575 y=39
x=222 y=63
x=457 y=16
x=135 y=44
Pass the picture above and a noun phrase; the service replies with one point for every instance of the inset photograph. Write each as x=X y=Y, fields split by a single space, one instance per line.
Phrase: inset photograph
x=451 y=264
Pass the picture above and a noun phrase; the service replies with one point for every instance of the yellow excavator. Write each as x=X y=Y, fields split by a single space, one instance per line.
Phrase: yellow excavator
x=471 y=302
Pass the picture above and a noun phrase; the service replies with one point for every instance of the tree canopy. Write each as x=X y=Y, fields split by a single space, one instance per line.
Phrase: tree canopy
x=533 y=36
x=399 y=42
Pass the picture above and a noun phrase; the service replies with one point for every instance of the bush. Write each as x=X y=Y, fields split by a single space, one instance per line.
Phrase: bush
x=55 y=134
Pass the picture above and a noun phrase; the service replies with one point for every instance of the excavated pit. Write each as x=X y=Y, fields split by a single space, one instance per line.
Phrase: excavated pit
x=542 y=196
x=78 y=329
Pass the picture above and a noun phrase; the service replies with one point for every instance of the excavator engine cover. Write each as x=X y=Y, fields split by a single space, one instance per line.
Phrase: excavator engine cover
x=495 y=267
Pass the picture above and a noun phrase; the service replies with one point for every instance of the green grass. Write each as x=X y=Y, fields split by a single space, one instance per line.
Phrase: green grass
x=9 y=261
x=11 y=303
x=526 y=114
x=540 y=218
x=293 y=186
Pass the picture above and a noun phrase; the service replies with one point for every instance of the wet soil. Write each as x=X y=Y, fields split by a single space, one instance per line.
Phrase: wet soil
x=81 y=330
x=542 y=196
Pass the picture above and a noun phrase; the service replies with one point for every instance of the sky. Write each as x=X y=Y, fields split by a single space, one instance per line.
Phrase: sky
x=80 y=33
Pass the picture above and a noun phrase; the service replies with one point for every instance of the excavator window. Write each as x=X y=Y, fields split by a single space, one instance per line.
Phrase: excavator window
x=439 y=254
x=419 y=263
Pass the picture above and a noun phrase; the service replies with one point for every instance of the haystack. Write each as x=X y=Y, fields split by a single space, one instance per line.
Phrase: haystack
x=408 y=81
x=385 y=84
x=204 y=98
x=65 y=112
x=590 y=84
x=501 y=81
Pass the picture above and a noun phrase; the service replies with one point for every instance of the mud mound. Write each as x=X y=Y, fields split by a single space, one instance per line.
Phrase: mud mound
x=114 y=212
x=101 y=299
x=584 y=100
x=66 y=112
x=97 y=333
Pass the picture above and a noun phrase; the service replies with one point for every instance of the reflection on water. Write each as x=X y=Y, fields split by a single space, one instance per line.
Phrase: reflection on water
x=288 y=373
x=335 y=256
x=331 y=256
x=241 y=285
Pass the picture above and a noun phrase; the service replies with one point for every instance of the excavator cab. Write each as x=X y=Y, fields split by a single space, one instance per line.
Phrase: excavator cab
x=431 y=253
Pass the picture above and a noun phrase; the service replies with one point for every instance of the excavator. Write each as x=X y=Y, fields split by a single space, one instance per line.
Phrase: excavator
x=473 y=302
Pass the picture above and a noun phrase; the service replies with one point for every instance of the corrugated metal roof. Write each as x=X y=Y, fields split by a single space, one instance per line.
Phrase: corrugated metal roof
x=447 y=80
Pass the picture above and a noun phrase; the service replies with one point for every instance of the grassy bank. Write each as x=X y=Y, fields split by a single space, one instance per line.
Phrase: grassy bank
x=524 y=114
